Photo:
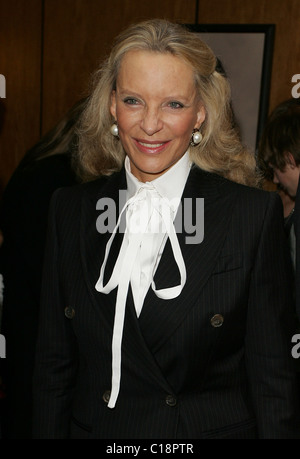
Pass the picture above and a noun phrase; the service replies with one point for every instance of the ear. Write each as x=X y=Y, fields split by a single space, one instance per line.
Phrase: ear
x=201 y=114
x=290 y=160
x=113 y=109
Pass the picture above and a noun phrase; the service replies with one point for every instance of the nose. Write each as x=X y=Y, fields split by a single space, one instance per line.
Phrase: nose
x=275 y=179
x=151 y=122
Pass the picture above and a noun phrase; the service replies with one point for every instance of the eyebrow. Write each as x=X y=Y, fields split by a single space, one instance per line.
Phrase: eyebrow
x=123 y=91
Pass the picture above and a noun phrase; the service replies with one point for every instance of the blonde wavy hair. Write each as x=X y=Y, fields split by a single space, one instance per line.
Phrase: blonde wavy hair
x=220 y=151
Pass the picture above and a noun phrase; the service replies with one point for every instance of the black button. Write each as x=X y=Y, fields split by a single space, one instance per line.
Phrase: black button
x=69 y=312
x=217 y=321
x=171 y=400
x=106 y=396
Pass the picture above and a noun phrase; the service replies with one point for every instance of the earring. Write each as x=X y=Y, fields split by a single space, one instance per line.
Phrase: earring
x=196 y=137
x=114 y=130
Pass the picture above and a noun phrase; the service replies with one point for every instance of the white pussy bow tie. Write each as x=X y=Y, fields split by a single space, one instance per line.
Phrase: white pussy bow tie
x=148 y=216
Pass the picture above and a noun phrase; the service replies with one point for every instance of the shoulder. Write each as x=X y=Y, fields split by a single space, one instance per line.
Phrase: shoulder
x=257 y=201
x=88 y=192
x=81 y=190
x=224 y=185
x=250 y=200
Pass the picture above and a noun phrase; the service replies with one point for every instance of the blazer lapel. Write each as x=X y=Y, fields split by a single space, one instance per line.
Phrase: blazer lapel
x=160 y=318
x=93 y=243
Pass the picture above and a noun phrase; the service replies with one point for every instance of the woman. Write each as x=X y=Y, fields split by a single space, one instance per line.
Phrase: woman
x=153 y=327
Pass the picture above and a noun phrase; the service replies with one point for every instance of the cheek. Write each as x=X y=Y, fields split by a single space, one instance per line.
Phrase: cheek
x=182 y=128
x=126 y=120
x=284 y=178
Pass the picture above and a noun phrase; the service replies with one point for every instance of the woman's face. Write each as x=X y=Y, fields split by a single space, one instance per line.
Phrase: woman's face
x=156 y=108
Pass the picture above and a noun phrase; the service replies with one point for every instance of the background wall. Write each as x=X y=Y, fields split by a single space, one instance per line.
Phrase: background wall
x=49 y=48
x=20 y=63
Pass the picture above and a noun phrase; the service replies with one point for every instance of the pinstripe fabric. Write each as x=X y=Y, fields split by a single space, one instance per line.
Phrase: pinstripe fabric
x=232 y=381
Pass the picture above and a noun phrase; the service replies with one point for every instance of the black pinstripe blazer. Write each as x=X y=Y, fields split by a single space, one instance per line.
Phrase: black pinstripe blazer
x=213 y=363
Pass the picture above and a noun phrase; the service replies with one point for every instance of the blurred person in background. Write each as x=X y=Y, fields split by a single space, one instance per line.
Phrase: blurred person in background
x=48 y=165
x=279 y=159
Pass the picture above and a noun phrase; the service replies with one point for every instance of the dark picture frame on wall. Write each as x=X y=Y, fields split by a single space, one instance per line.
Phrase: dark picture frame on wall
x=245 y=52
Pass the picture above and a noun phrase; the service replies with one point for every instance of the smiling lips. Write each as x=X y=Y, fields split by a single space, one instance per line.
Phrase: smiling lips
x=150 y=147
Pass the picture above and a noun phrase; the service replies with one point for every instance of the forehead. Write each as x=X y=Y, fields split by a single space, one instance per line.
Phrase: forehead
x=155 y=68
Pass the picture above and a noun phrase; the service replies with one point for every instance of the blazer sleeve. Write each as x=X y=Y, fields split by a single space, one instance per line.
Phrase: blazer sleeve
x=270 y=327
x=56 y=352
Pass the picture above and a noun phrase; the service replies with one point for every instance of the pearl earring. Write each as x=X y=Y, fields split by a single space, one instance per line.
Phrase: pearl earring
x=114 y=130
x=196 y=137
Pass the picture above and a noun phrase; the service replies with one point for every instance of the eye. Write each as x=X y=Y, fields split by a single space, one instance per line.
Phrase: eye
x=130 y=101
x=175 y=105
